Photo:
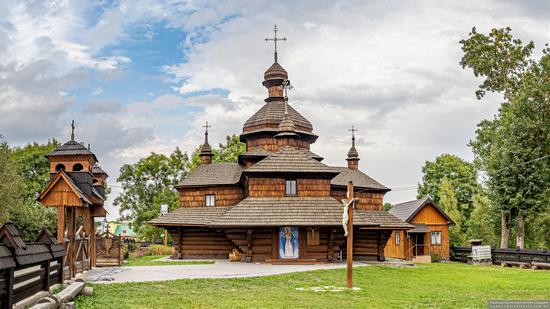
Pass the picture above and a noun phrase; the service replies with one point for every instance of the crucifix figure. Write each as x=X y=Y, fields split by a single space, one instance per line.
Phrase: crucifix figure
x=275 y=39
x=286 y=87
x=72 y=130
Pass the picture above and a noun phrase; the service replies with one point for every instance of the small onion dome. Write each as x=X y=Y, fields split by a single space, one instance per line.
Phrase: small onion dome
x=275 y=72
x=352 y=153
x=206 y=149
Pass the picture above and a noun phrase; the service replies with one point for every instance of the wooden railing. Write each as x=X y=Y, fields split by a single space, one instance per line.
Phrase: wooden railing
x=27 y=268
x=520 y=257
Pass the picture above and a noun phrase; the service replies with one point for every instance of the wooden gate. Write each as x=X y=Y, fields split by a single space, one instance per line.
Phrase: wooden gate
x=109 y=250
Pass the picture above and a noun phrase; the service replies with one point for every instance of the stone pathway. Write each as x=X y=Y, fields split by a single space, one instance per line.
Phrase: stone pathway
x=220 y=269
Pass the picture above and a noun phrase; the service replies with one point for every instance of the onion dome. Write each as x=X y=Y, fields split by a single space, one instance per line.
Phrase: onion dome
x=206 y=150
x=275 y=73
x=353 y=155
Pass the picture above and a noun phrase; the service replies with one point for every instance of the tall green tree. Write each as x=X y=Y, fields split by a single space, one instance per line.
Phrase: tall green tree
x=228 y=152
x=148 y=184
x=449 y=204
x=513 y=147
x=461 y=176
x=10 y=183
x=483 y=224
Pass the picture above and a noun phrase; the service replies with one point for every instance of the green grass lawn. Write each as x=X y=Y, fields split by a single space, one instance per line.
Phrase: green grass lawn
x=151 y=260
x=440 y=285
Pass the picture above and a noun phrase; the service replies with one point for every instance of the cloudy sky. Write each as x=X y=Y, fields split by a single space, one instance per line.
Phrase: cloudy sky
x=142 y=76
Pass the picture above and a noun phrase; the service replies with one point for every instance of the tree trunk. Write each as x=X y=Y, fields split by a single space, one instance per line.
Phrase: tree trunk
x=520 y=230
x=504 y=230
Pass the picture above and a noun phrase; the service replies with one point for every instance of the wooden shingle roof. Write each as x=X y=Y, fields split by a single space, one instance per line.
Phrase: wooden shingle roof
x=406 y=211
x=360 y=179
x=189 y=216
x=291 y=159
x=213 y=174
x=71 y=148
x=271 y=115
x=300 y=211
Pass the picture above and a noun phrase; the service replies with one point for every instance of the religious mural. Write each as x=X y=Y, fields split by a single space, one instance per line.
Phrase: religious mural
x=288 y=242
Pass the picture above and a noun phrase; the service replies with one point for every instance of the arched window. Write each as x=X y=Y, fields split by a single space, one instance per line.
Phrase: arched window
x=94 y=181
x=59 y=167
x=77 y=167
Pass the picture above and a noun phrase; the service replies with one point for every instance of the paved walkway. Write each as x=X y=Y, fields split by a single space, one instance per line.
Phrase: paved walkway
x=220 y=269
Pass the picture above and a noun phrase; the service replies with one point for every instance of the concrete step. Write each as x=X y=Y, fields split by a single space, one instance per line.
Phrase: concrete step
x=422 y=259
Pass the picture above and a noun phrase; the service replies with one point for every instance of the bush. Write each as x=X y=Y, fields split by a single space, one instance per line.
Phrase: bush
x=158 y=250
x=436 y=257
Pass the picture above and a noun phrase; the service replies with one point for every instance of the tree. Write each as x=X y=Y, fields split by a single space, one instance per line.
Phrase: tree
x=449 y=204
x=228 y=152
x=388 y=206
x=146 y=185
x=513 y=148
x=483 y=224
x=10 y=183
x=461 y=176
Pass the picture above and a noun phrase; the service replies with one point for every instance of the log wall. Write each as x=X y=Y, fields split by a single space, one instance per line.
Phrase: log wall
x=369 y=244
x=272 y=144
x=367 y=200
x=225 y=196
x=194 y=243
x=275 y=187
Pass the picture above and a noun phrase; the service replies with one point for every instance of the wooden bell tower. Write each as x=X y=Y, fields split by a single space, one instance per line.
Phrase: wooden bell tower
x=78 y=193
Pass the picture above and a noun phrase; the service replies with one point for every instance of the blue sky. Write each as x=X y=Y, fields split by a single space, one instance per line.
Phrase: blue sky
x=139 y=76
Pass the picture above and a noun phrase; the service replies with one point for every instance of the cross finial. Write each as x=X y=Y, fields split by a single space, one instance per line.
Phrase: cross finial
x=72 y=130
x=206 y=126
x=275 y=39
x=353 y=130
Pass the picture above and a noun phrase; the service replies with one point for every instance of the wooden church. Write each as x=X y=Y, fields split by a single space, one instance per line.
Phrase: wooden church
x=280 y=203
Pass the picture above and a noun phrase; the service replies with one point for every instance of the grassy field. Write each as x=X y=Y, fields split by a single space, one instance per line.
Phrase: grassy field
x=151 y=260
x=440 y=285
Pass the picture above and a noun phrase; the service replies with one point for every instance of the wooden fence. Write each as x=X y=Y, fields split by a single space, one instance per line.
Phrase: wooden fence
x=517 y=257
x=27 y=268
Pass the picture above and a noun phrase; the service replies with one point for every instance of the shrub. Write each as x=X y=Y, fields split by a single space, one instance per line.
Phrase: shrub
x=159 y=250
x=436 y=257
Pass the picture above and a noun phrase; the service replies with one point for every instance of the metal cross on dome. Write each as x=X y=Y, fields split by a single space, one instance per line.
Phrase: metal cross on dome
x=206 y=126
x=353 y=130
x=275 y=39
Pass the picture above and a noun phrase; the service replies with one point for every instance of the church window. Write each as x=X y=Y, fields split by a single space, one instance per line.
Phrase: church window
x=59 y=167
x=290 y=187
x=397 y=238
x=210 y=200
x=77 y=167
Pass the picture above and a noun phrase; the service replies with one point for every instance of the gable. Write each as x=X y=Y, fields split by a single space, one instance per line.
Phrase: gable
x=429 y=214
x=61 y=193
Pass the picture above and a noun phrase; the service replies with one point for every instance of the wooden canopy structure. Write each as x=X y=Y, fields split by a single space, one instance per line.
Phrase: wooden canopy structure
x=77 y=189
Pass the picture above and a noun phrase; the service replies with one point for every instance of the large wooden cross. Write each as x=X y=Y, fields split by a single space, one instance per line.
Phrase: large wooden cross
x=275 y=39
x=349 y=203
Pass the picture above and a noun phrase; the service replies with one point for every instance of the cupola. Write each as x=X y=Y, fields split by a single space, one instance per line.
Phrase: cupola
x=353 y=155
x=206 y=151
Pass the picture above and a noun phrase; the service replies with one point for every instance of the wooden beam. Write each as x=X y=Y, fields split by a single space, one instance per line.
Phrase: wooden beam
x=330 y=247
x=61 y=224
x=349 y=267
x=249 y=246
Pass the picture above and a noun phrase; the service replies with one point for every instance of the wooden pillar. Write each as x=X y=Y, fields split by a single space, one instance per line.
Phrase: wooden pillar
x=46 y=278
x=330 y=250
x=249 y=246
x=7 y=302
x=86 y=218
x=180 y=241
x=61 y=224
x=71 y=249
x=349 y=268
x=93 y=253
